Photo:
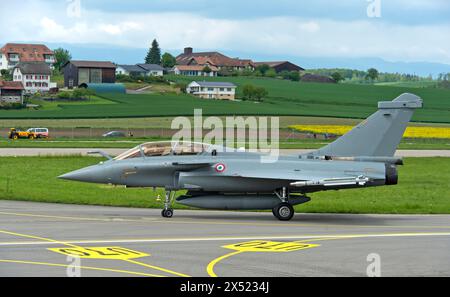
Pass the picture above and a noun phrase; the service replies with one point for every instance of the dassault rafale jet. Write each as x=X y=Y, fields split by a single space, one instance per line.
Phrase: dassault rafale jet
x=238 y=180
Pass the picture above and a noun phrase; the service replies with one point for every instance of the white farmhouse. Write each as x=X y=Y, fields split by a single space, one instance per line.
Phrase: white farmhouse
x=212 y=90
x=35 y=77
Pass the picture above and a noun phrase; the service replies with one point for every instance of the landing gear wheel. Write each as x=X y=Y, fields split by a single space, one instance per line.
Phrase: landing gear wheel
x=283 y=211
x=167 y=213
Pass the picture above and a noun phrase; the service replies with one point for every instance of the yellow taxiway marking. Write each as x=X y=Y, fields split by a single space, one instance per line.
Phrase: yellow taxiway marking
x=81 y=267
x=269 y=246
x=75 y=247
x=176 y=221
x=158 y=268
x=210 y=267
x=107 y=253
x=258 y=246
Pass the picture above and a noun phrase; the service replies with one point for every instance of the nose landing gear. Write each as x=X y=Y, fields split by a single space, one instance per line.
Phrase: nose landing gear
x=167 y=212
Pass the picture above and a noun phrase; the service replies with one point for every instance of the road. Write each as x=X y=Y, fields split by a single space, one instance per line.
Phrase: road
x=10 y=152
x=38 y=239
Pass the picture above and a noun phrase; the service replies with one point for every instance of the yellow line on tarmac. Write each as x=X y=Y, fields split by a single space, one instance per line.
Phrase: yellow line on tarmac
x=158 y=268
x=81 y=267
x=210 y=267
x=39 y=238
x=76 y=246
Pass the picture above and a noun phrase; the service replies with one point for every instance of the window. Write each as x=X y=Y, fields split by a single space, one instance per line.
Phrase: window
x=166 y=148
x=210 y=89
x=222 y=89
x=229 y=89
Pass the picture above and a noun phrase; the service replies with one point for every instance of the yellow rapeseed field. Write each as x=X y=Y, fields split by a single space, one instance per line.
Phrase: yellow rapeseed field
x=411 y=132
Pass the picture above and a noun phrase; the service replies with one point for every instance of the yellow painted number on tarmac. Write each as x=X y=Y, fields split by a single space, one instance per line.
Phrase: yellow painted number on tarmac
x=111 y=253
x=269 y=246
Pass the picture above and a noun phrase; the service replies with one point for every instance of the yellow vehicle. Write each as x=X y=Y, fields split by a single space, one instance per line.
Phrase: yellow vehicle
x=17 y=134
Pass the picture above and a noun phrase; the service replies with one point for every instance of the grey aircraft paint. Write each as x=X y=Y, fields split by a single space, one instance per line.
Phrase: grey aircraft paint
x=230 y=179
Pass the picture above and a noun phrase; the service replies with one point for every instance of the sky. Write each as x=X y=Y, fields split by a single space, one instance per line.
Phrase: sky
x=394 y=31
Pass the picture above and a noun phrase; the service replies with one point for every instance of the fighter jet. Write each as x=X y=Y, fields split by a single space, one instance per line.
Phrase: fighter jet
x=237 y=180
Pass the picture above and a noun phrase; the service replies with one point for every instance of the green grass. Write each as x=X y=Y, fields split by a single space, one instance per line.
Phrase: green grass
x=285 y=99
x=423 y=188
x=406 y=144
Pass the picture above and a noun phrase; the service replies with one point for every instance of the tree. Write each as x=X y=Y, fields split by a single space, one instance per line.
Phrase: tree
x=62 y=56
x=251 y=92
x=206 y=69
x=168 y=61
x=337 y=77
x=6 y=74
x=154 y=54
x=248 y=91
x=263 y=68
x=271 y=73
x=260 y=93
x=372 y=73
x=294 y=75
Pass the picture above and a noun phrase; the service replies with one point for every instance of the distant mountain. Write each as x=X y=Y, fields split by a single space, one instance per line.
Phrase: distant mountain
x=125 y=55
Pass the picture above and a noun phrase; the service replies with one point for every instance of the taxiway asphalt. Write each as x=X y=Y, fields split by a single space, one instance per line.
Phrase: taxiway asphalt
x=40 y=239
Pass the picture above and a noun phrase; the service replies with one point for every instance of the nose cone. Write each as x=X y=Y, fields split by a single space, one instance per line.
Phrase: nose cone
x=92 y=174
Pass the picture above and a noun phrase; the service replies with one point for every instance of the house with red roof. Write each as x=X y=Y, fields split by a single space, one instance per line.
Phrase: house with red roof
x=12 y=54
x=191 y=63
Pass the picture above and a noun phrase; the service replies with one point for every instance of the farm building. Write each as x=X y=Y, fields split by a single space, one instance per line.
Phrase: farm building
x=11 y=92
x=140 y=70
x=132 y=70
x=212 y=90
x=97 y=72
x=34 y=76
x=152 y=69
x=281 y=66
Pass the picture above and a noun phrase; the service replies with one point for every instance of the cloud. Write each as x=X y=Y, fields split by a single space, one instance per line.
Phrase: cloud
x=272 y=35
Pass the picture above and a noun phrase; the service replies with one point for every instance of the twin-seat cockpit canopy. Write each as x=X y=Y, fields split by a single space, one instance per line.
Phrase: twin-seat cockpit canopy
x=165 y=148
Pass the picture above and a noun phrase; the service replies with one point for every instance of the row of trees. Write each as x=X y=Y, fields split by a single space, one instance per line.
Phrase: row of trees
x=372 y=75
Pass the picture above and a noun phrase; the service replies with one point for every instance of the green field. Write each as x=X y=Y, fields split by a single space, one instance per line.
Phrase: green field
x=406 y=144
x=285 y=99
x=423 y=188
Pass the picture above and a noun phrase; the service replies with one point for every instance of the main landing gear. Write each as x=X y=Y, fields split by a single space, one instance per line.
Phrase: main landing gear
x=283 y=211
x=167 y=212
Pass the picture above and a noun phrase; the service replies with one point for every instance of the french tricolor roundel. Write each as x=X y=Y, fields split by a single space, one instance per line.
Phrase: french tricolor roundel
x=220 y=167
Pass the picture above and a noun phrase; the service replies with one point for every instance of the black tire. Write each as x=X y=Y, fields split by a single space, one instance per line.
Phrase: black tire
x=167 y=213
x=283 y=212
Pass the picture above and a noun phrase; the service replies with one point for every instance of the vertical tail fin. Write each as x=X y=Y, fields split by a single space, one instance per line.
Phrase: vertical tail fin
x=380 y=134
